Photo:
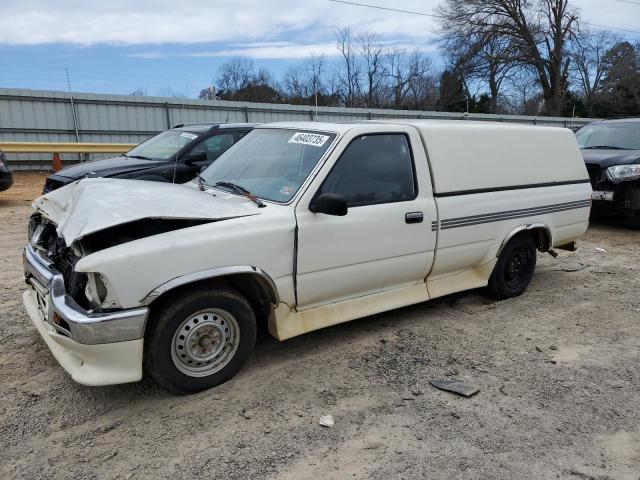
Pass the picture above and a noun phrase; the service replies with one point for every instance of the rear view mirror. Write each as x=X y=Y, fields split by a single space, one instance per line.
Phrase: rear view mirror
x=330 y=204
x=195 y=158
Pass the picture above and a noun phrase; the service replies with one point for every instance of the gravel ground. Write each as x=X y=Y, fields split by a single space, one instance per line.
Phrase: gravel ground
x=557 y=370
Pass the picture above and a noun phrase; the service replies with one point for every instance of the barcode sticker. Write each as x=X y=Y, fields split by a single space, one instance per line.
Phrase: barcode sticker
x=313 y=139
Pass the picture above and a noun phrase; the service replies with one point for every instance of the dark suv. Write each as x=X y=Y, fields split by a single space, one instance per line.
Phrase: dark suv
x=175 y=155
x=611 y=151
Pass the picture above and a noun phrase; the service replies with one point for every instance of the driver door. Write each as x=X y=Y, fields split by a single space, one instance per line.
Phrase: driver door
x=384 y=241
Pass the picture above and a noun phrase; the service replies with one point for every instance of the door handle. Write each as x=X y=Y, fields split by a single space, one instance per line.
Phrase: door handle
x=413 y=217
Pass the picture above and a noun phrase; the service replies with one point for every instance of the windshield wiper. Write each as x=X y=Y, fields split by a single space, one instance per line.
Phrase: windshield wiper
x=200 y=183
x=242 y=191
x=141 y=157
x=604 y=147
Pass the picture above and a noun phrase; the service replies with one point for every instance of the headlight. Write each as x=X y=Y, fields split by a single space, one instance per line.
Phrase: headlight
x=96 y=290
x=624 y=172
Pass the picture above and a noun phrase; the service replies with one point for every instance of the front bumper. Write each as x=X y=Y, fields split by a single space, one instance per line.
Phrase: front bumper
x=94 y=348
x=619 y=195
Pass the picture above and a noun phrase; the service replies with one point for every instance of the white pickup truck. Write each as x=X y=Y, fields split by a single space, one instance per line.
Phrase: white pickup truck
x=301 y=226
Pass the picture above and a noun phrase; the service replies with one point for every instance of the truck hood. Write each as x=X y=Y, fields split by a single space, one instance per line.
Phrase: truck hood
x=607 y=158
x=106 y=167
x=94 y=204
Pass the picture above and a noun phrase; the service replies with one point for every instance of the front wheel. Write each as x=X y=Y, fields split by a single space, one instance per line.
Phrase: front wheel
x=199 y=339
x=514 y=268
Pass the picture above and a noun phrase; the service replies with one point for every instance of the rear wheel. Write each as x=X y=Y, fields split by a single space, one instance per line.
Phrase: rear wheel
x=199 y=339
x=514 y=269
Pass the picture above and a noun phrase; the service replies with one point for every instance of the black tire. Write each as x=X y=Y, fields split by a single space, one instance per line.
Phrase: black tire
x=634 y=221
x=184 y=309
x=514 y=270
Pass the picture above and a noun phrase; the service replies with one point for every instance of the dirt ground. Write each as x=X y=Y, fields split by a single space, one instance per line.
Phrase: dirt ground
x=558 y=372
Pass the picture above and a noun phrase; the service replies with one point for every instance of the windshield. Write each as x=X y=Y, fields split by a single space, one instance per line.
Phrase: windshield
x=270 y=163
x=624 y=135
x=163 y=146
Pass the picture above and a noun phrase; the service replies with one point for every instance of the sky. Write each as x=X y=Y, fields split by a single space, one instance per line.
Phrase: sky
x=117 y=46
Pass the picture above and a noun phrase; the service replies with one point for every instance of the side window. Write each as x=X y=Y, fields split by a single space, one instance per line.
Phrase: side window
x=214 y=146
x=373 y=169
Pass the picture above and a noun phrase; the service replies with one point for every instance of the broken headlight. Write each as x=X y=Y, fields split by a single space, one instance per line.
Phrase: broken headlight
x=34 y=222
x=95 y=290
x=624 y=172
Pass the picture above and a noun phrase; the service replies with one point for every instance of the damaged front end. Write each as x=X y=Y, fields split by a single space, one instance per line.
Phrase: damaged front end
x=94 y=347
x=96 y=338
x=91 y=290
x=92 y=215
x=45 y=241
x=76 y=304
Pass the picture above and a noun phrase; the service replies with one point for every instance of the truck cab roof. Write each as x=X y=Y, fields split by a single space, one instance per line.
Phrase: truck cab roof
x=470 y=156
x=210 y=127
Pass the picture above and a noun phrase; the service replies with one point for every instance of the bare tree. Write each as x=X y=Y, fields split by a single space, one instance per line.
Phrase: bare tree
x=303 y=83
x=375 y=71
x=539 y=30
x=139 y=92
x=295 y=84
x=348 y=73
x=589 y=63
x=235 y=74
x=487 y=60
x=423 y=92
x=524 y=96
x=314 y=73
x=175 y=92
x=404 y=68
x=208 y=93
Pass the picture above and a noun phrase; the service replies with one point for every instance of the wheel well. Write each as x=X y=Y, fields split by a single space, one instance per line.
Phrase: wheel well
x=540 y=233
x=542 y=237
x=253 y=287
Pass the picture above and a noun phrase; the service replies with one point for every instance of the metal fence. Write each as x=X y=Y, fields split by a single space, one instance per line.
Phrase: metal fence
x=48 y=116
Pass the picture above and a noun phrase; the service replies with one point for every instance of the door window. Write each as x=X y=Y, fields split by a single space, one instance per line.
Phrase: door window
x=373 y=169
x=214 y=146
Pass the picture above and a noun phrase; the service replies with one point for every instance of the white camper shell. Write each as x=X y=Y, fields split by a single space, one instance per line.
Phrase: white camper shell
x=301 y=225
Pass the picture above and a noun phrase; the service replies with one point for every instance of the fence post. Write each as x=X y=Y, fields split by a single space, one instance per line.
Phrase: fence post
x=246 y=114
x=166 y=113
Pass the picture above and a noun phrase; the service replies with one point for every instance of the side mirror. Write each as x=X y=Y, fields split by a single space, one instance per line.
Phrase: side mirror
x=330 y=204
x=195 y=158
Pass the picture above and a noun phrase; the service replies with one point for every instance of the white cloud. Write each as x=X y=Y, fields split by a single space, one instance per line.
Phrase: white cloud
x=149 y=55
x=265 y=29
x=286 y=50
x=133 y=22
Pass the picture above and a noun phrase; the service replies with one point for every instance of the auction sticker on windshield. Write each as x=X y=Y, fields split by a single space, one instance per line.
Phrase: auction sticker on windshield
x=313 y=139
x=190 y=136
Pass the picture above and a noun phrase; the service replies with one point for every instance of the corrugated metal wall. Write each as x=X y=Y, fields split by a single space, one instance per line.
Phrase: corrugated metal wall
x=47 y=116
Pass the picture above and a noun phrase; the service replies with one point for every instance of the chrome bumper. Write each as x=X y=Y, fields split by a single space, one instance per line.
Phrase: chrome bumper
x=68 y=318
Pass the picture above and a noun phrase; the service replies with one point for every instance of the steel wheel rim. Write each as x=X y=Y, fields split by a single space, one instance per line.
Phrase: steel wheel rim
x=517 y=266
x=205 y=342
